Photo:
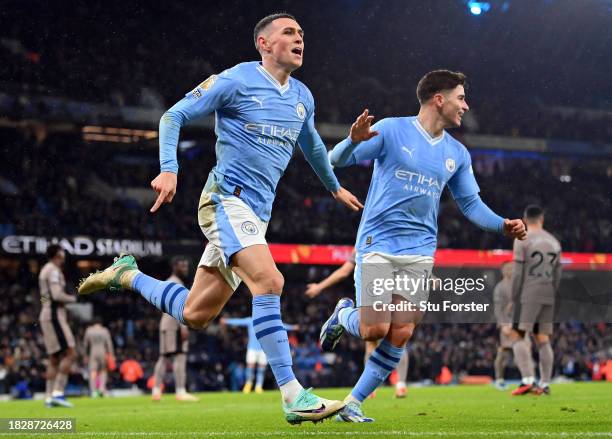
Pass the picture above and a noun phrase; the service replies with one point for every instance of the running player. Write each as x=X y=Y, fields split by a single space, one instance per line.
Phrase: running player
x=57 y=336
x=261 y=114
x=535 y=279
x=502 y=305
x=414 y=159
x=345 y=270
x=255 y=355
x=173 y=343
x=98 y=344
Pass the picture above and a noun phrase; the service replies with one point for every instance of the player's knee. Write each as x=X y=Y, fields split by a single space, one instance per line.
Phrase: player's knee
x=198 y=318
x=374 y=332
x=270 y=281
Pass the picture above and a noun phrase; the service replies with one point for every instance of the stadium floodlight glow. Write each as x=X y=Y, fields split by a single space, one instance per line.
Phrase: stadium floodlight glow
x=477 y=8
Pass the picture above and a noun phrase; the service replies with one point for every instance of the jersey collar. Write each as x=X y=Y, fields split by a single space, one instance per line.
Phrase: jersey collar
x=430 y=140
x=281 y=88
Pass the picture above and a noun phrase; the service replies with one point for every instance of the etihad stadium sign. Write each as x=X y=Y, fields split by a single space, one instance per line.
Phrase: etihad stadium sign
x=80 y=245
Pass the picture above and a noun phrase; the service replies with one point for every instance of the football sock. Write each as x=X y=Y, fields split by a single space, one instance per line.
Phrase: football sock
x=546 y=363
x=378 y=367
x=249 y=374
x=522 y=358
x=501 y=360
x=261 y=373
x=272 y=337
x=349 y=319
x=60 y=383
x=402 y=369
x=159 y=372
x=168 y=297
x=180 y=372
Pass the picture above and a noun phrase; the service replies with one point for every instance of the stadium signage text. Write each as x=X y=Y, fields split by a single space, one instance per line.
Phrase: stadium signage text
x=81 y=246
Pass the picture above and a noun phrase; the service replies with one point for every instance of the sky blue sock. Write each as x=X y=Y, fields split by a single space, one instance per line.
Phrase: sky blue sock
x=378 y=367
x=272 y=336
x=169 y=297
x=261 y=373
x=349 y=319
x=250 y=373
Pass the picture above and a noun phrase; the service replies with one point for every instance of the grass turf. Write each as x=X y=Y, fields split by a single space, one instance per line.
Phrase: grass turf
x=573 y=410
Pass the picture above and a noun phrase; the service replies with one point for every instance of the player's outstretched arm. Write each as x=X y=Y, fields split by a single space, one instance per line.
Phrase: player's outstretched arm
x=246 y=321
x=316 y=154
x=361 y=144
x=314 y=289
x=212 y=94
x=474 y=209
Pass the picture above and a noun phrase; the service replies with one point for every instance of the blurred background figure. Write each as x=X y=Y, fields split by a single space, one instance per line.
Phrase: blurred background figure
x=57 y=335
x=100 y=357
x=173 y=343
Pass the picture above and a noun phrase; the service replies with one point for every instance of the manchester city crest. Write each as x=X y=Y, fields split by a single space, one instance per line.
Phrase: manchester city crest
x=450 y=165
x=249 y=228
x=300 y=110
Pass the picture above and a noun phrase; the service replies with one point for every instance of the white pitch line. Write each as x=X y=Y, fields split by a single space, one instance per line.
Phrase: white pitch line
x=535 y=434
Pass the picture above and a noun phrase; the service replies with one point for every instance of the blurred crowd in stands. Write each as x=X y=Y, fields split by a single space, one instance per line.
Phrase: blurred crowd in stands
x=61 y=186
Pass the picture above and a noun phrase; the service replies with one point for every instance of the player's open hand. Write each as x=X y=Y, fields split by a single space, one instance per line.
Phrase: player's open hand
x=360 y=130
x=515 y=229
x=313 y=290
x=165 y=187
x=348 y=199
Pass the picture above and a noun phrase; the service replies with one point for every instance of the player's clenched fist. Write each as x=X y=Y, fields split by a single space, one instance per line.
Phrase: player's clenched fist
x=165 y=187
x=515 y=228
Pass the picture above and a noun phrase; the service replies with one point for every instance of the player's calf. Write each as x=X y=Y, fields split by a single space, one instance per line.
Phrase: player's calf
x=374 y=332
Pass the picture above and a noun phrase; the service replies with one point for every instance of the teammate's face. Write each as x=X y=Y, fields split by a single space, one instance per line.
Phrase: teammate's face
x=285 y=43
x=454 y=106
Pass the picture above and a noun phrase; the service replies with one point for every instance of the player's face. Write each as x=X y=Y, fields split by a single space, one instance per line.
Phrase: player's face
x=60 y=257
x=286 y=43
x=181 y=269
x=454 y=106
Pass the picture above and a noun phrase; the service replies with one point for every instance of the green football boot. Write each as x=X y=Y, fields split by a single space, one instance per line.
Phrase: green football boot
x=118 y=276
x=309 y=407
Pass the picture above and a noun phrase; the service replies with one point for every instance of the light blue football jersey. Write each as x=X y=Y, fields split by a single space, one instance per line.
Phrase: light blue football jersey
x=411 y=170
x=258 y=123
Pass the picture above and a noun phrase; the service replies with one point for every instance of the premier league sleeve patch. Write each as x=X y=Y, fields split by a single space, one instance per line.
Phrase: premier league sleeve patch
x=204 y=86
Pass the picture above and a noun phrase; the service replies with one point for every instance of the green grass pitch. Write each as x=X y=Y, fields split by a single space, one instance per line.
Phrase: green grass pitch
x=573 y=410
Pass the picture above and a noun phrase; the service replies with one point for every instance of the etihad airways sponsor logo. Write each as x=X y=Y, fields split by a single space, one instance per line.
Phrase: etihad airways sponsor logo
x=273 y=134
x=419 y=183
x=418 y=178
